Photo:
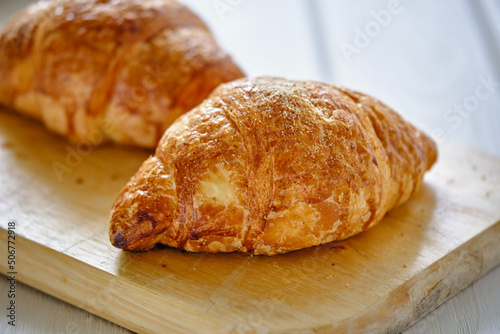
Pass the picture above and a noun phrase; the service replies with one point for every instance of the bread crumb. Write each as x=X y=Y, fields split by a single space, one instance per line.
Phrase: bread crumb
x=404 y=265
x=79 y=180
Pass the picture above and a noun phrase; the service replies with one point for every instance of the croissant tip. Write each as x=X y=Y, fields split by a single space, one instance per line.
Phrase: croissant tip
x=119 y=241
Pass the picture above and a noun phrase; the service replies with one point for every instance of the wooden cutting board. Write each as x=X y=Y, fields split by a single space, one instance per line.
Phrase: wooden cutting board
x=383 y=280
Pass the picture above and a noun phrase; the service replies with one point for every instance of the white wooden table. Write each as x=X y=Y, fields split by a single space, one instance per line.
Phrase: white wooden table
x=436 y=62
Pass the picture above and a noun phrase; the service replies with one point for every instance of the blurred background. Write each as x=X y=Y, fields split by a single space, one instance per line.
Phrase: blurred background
x=435 y=62
x=426 y=59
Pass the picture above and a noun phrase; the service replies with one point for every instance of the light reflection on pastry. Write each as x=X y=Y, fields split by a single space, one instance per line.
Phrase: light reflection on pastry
x=267 y=166
x=98 y=70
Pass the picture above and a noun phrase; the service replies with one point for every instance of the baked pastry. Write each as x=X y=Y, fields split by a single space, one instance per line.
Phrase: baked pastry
x=99 y=70
x=267 y=166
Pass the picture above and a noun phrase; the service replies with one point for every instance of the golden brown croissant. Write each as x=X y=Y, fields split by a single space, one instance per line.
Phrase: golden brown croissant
x=95 y=70
x=267 y=166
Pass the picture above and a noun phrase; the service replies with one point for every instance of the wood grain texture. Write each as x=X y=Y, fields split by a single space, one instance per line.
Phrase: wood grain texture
x=39 y=312
x=288 y=38
x=386 y=278
x=467 y=312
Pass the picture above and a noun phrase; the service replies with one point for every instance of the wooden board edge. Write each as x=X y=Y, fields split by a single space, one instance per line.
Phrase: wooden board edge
x=424 y=292
x=403 y=307
x=46 y=270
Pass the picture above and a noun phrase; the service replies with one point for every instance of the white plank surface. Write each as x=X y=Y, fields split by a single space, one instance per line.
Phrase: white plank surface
x=264 y=37
x=428 y=59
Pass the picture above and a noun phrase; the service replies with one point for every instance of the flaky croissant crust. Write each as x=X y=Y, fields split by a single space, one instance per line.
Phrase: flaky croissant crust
x=267 y=166
x=120 y=70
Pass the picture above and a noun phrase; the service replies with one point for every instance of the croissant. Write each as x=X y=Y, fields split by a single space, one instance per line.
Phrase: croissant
x=99 y=70
x=267 y=166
